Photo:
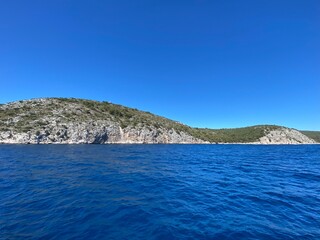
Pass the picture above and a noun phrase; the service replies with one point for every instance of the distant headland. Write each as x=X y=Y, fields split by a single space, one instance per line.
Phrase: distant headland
x=79 y=121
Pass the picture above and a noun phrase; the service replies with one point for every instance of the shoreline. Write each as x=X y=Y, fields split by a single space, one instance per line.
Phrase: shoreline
x=140 y=143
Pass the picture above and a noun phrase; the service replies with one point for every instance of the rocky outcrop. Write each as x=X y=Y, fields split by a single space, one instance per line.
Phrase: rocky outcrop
x=285 y=136
x=53 y=127
x=86 y=134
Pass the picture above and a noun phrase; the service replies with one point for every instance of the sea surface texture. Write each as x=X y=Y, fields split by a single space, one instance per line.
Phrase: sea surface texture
x=159 y=192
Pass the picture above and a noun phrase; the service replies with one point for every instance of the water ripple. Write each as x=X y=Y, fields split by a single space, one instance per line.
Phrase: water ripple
x=159 y=192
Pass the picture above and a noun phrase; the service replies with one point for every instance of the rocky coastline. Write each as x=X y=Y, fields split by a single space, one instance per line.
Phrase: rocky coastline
x=63 y=121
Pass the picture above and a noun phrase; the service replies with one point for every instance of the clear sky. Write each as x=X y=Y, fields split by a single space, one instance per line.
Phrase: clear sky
x=207 y=63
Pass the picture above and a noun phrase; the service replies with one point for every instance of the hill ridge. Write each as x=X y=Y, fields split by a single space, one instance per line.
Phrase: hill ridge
x=73 y=120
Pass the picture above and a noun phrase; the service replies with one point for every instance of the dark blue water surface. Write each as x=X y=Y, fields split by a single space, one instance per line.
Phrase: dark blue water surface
x=159 y=192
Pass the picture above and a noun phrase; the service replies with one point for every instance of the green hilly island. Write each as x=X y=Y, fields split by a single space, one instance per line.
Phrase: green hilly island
x=72 y=121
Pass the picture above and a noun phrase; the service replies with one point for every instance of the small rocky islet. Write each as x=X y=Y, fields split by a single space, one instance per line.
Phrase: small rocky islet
x=80 y=121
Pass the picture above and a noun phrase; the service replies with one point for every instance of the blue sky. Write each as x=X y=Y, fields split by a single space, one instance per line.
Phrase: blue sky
x=205 y=63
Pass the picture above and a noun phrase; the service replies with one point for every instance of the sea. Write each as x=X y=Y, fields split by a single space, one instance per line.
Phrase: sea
x=159 y=192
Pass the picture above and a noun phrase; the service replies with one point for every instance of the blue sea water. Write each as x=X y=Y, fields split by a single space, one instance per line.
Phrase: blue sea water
x=159 y=192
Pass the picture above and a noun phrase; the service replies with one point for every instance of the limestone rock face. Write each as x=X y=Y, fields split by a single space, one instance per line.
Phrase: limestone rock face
x=285 y=136
x=153 y=135
x=97 y=133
